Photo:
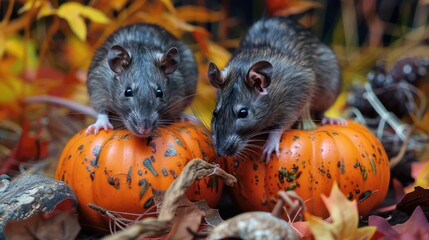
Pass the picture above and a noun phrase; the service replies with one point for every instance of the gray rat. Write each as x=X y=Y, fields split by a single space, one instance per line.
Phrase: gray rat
x=279 y=74
x=142 y=76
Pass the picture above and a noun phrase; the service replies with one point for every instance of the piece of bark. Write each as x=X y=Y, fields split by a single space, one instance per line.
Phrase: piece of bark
x=30 y=194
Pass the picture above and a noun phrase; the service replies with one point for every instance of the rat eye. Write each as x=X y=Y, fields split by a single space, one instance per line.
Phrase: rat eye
x=159 y=93
x=242 y=113
x=214 y=113
x=128 y=92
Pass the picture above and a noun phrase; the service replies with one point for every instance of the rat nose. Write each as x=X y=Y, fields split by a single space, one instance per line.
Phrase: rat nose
x=144 y=131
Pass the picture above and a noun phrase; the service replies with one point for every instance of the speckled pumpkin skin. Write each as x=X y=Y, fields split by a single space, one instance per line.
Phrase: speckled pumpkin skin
x=117 y=171
x=310 y=162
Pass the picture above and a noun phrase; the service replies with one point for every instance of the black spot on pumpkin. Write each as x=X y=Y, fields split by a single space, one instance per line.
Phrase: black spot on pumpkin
x=148 y=203
x=255 y=167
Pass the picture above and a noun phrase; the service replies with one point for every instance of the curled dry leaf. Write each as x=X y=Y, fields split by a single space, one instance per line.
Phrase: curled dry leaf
x=61 y=225
x=151 y=227
x=188 y=218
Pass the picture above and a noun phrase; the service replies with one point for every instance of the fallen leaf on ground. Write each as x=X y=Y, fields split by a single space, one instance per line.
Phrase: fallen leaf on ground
x=418 y=197
x=344 y=219
x=416 y=227
x=61 y=225
x=188 y=218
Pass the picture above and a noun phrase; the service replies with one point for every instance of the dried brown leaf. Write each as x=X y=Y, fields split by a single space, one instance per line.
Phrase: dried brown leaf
x=188 y=218
x=61 y=225
x=151 y=227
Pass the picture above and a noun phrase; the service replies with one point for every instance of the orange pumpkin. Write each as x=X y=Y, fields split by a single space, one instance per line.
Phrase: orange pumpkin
x=310 y=162
x=117 y=171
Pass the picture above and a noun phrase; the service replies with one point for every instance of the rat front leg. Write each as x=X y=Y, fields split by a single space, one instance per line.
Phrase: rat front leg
x=101 y=123
x=272 y=145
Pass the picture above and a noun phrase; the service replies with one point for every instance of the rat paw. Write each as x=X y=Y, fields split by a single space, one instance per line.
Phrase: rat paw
x=272 y=145
x=269 y=149
x=97 y=126
x=333 y=121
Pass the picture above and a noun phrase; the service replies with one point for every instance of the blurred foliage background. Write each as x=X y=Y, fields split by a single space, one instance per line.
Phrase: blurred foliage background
x=46 y=47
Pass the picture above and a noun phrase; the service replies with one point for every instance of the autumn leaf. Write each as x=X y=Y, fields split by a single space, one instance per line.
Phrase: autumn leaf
x=418 y=197
x=344 y=219
x=169 y=5
x=422 y=123
x=420 y=172
x=73 y=13
x=62 y=225
x=197 y=14
x=416 y=227
x=188 y=218
x=289 y=7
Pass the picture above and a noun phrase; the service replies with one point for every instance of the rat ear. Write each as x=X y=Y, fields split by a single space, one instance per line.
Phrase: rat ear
x=170 y=61
x=118 y=59
x=215 y=76
x=259 y=76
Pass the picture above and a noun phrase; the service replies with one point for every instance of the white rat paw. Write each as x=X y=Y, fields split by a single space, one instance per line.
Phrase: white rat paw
x=268 y=151
x=333 y=121
x=272 y=145
x=101 y=123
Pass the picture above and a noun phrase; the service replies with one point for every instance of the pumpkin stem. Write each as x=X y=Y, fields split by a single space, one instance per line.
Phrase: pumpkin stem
x=306 y=122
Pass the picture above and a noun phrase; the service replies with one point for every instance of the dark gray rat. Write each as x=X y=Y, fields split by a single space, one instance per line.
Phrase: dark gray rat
x=279 y=74
x=142 y=76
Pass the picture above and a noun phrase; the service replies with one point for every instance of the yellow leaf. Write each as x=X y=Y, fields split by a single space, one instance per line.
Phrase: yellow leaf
x=79 y=53
x=198 y=14
x=77 y=25
x=31 y=4
x=14 y=46
x=73 y=12
x=169 y=5
x=337 y=108
x=46 y=10
x=345 y=219
x=2 y=43
x=217 y=54
x=12 y=88
x=94 y=15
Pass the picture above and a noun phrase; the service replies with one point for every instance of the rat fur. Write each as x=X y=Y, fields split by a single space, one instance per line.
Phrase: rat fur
x=278 y=74
x=142 y=76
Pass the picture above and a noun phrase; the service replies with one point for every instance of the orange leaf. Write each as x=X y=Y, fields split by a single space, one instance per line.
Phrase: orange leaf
x=198 y=14
x=169 y=5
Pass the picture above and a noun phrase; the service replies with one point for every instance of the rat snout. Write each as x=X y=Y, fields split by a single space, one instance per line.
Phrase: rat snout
x=145 y=127
x=144 y=131
x=228 y=146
